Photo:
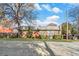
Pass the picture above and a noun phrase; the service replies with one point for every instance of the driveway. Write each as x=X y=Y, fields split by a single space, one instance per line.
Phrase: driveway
x=64 y=48
x=38 y=48
x=23 y=48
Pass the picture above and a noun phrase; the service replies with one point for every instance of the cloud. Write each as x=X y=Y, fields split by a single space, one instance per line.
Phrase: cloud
x=53 y=18
x=56 y=10
x=48 y=20
x=37 y=6
x=47 y=7
x=44 y=23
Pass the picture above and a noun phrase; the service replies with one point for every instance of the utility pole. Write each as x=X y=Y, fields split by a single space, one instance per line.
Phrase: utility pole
x=67 y=23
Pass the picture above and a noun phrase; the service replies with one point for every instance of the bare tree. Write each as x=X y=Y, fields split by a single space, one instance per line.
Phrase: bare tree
x=74 y=13
x=18 y=12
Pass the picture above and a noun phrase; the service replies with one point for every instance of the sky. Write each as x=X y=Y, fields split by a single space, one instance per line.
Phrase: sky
x=52 y=13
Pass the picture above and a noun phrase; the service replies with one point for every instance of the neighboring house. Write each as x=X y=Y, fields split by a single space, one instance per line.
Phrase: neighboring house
x=49 y=30
x=53 y=29
x=6 y=26
x=5 y=30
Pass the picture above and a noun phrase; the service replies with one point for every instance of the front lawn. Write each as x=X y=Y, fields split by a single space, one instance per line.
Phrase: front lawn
x=30 y=39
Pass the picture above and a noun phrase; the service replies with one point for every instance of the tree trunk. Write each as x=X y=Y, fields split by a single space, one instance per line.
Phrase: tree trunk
x=17 y=20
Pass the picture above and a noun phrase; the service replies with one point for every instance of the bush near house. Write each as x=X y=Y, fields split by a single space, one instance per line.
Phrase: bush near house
x=8 y=35
x=70 y=36
x=43 y=37
x=13 y=35
x=58 y=37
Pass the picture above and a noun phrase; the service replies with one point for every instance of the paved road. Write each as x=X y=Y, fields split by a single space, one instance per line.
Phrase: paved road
x=38 y=48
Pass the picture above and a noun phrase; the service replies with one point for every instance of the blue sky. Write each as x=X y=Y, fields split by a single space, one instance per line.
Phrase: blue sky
x=52 y=12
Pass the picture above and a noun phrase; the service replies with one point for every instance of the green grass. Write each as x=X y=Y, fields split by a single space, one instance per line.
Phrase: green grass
x=64 y=40
x=16 y=39
x=30 y=39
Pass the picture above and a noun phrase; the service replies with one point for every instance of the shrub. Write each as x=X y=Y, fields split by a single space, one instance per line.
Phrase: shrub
x=43 y=37
x=58 y=37
x=13 y=35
